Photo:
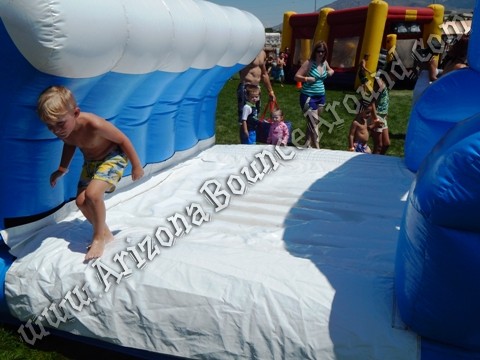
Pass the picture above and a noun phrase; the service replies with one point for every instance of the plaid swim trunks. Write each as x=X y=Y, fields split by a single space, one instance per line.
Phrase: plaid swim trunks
x=110 y=169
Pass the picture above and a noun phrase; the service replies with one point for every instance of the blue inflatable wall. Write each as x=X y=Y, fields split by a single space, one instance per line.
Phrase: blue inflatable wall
x=153 y=68
x=438 y=256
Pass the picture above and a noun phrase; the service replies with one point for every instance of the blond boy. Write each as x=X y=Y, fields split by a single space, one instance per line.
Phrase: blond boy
x=106 y=151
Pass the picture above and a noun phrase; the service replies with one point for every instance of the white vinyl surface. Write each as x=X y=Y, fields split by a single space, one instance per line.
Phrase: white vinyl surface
x=300 y=266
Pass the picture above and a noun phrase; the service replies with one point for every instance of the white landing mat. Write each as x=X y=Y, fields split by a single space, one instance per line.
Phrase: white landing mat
x=297 y=265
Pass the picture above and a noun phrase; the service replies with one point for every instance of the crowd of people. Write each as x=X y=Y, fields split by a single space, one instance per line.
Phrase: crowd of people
x=371 y=120
x=276 y=66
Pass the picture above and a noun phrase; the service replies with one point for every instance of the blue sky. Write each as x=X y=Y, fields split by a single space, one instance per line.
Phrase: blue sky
x=270 y=12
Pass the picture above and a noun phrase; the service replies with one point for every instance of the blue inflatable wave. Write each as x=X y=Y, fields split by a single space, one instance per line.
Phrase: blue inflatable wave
x=438 y=255
x=153 y=68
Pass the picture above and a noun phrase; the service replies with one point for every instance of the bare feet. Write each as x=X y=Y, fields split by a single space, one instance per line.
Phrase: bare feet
x=95 y=249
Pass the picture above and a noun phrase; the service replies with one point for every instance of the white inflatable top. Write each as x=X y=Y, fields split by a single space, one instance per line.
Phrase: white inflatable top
x=61 y=37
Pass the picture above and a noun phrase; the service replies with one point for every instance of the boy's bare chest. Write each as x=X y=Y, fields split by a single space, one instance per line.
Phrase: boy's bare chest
x=93 y=147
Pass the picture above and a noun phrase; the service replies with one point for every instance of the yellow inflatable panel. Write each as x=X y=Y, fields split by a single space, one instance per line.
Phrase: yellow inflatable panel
x=323 y=29
x=287 y=30
x=373 y=35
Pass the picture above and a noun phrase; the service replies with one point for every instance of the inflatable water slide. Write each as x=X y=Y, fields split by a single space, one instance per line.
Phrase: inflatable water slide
x=221 y=251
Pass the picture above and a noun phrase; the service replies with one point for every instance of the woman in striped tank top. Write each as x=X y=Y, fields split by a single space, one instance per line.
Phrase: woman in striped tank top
x=312 y=74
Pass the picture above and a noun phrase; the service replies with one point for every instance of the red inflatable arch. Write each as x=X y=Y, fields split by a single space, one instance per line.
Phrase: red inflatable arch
x=350 y=33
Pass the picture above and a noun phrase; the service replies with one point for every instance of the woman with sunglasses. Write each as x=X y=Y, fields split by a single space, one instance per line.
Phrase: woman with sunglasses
x=312 y=74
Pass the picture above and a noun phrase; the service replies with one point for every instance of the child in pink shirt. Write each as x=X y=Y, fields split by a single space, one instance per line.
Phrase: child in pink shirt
x=278 y=134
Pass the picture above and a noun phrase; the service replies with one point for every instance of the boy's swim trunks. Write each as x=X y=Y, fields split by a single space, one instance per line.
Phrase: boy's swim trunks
x=110 y=169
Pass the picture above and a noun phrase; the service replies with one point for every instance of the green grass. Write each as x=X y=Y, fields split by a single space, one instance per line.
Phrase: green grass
x=13 y=348
x=335 y=136
x=49 y=348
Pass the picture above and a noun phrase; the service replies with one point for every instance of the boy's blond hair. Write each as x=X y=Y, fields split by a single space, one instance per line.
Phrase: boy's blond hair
x=54 y=103
x=253 y=90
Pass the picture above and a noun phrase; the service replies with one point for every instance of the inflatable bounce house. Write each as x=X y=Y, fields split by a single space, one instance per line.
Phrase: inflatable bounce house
x=378 y=29
x=226 y=251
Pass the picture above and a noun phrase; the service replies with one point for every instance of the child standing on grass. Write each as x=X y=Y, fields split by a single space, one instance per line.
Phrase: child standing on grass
x=106 y=151
x=358 y=135
x=381 y=137
x=278 y=133
x=249 y=120
x=359 y=130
